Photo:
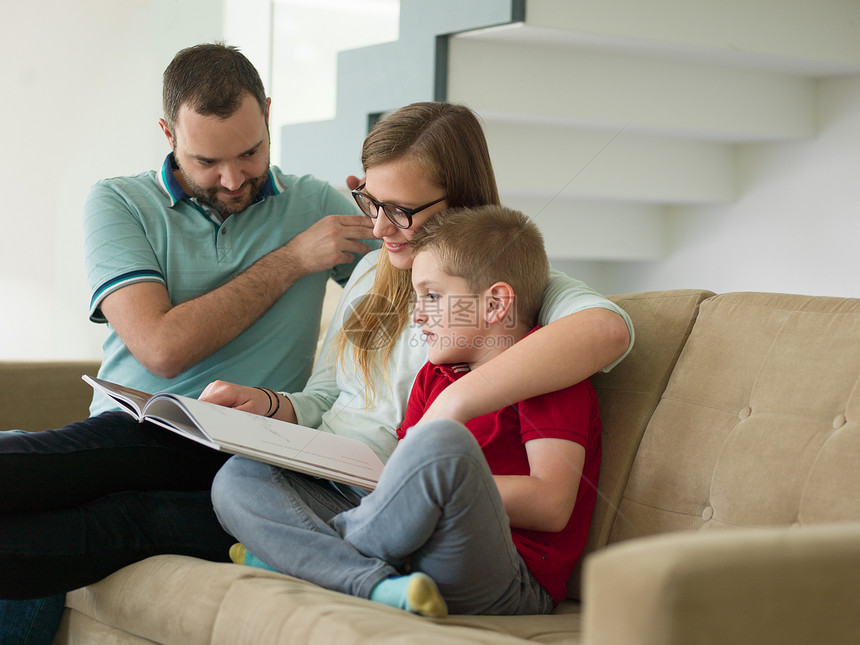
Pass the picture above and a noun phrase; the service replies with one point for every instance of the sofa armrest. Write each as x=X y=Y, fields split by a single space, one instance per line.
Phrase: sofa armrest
x=789 y=585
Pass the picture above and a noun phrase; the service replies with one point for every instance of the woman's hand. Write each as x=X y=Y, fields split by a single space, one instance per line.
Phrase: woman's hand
x=249 y=399
x=240 y=397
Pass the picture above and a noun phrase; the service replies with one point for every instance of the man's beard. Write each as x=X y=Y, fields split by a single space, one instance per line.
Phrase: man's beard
x=211 y=196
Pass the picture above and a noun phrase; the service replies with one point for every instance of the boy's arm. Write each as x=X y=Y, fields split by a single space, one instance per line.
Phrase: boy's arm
x=544 y=499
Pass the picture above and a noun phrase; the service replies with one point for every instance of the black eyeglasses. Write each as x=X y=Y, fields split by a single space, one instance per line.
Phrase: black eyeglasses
x=397 y=215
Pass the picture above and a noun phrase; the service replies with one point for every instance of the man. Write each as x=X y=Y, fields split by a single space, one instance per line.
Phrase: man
x=213 y=267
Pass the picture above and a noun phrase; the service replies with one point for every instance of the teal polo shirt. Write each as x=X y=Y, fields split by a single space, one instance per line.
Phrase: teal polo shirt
x=145 y=228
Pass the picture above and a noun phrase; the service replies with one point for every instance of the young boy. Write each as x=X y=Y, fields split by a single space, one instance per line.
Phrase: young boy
x=489 y=518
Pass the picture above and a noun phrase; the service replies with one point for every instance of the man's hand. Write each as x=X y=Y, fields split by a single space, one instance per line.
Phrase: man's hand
x=331 y=241
x=353 y=182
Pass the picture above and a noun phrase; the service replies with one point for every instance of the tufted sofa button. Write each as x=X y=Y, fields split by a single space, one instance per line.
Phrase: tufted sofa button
x=708 y=513
x=839 y=421
x=745 y=413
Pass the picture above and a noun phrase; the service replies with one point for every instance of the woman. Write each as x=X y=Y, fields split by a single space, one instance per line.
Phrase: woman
x=418 y=161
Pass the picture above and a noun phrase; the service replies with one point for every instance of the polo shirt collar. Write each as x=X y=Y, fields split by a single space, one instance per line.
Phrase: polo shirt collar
x=173 y=189
x=453 y=371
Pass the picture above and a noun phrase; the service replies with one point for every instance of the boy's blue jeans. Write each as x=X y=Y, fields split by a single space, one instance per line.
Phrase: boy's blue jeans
x=436 y=510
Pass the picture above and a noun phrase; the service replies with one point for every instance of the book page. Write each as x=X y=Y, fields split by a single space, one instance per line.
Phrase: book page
x=130 y=399
x=306 y=450
x=167 y=411
x=282 y=443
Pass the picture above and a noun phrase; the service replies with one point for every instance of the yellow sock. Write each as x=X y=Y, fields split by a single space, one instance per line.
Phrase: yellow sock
x=237 y=553
x=424 y=598
x=416 y=592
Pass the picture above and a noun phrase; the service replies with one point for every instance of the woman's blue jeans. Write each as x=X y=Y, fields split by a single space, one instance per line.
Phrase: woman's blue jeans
x=436 y=509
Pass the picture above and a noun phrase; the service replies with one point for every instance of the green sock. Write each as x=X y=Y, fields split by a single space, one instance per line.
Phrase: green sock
x=240 y=555
x=416 y=593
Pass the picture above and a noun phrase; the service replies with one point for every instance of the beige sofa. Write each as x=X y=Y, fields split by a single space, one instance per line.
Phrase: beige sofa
x=728 y=507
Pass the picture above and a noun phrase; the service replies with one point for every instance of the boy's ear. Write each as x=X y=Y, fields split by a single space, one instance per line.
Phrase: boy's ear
x=500 y=303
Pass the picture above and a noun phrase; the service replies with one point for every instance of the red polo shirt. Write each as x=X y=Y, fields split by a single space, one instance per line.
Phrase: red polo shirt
x=569 y=414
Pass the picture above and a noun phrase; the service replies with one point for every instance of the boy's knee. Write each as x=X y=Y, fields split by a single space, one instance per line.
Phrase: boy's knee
x=442 y=435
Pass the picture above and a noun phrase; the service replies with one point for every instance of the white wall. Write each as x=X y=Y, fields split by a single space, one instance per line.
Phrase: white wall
x=81 y=84
x=81 y=99
x=794 y=228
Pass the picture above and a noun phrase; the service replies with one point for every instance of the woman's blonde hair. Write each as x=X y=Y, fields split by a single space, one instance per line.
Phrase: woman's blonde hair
x=447 y=142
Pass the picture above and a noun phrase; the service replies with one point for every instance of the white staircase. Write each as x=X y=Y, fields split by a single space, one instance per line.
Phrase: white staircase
x=605 y=117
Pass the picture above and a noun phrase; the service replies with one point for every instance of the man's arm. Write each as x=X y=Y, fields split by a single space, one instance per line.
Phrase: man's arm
x=168 y=339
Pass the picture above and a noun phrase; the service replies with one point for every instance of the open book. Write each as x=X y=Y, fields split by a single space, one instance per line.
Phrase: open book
x=305 y=450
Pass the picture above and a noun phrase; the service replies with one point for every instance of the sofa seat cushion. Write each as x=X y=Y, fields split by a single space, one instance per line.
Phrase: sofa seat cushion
x=759 y=424
x=164 y=599
x=179 y=600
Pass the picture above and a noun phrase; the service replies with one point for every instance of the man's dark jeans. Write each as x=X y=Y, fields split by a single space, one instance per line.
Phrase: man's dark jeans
x=30 y=622
x=78 y=503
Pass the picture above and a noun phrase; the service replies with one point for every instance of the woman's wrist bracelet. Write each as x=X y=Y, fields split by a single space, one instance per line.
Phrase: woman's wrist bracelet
x=277 y=404
x=266 y=391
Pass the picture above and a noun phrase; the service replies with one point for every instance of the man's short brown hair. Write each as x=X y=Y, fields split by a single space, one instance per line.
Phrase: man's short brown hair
x=212 y=79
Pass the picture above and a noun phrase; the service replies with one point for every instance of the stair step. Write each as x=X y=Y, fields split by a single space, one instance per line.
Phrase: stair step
x=604 y=118
x=535 y=81
x=545 y=160
x=575 y=229
x=812 y=38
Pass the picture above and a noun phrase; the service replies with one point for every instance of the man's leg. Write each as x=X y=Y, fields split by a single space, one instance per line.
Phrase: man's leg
x=109 y=453
x=30 y=622
x=55 y=551
x=85 y=500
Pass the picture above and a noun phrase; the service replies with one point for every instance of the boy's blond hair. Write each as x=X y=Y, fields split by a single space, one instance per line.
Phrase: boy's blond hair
x=490 y=244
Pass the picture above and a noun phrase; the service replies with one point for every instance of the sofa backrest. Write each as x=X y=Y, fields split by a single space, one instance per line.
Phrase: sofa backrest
x=44 y=395
x=628 y=394
x=759 y=424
